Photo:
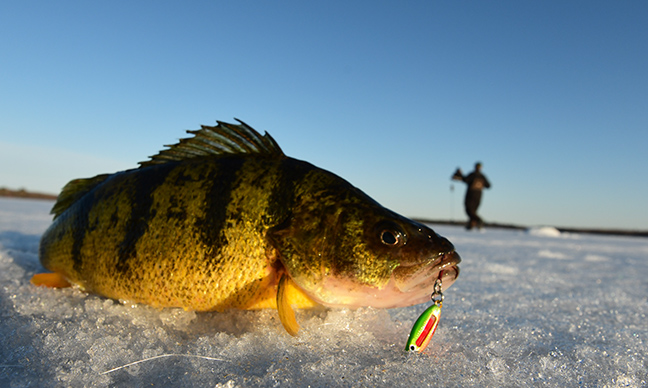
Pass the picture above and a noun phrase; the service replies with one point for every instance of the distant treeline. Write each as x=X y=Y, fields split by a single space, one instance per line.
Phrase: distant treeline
x=22 y=193
x=614 y=232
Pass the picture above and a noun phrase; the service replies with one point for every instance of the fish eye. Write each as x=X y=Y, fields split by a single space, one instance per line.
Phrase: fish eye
x=389 y=233
x=390 y=237
x=412 y=347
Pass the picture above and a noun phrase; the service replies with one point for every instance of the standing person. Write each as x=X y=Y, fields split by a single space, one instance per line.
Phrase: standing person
x=476 y=182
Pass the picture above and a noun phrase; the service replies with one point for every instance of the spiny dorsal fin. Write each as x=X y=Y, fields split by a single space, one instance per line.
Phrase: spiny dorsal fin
x=223 y=139
x=73 y=191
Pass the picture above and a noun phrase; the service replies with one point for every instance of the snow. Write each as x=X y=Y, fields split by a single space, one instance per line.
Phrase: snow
x=547 y=231
x=527 y=310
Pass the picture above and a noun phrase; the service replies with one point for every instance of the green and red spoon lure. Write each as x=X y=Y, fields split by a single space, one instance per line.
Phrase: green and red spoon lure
x=426 y=324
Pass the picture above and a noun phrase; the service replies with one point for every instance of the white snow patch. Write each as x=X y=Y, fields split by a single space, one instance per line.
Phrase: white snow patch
x=596 y=258
x=545 y=231
x=502 y=269
x=552 y=254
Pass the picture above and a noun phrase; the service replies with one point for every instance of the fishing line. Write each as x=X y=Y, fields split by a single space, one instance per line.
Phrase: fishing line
x=452 y=201
x=162 y=356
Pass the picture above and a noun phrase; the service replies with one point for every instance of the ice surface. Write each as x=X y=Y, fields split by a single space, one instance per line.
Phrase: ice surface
x=527 y=310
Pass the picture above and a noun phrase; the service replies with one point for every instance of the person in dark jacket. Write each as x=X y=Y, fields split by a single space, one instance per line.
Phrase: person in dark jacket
x=476 y=182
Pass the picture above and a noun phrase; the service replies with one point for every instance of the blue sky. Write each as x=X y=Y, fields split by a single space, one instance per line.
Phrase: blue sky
x=551 y=96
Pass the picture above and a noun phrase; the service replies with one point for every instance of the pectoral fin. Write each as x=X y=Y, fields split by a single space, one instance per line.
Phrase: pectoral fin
x=286 y=313
x=54 y=280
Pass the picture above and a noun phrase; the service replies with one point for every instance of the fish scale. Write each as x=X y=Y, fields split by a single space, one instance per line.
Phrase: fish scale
x=164 y=253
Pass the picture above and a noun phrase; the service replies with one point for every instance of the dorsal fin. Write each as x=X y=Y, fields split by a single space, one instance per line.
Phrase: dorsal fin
x=73 y=191
x=223 y=139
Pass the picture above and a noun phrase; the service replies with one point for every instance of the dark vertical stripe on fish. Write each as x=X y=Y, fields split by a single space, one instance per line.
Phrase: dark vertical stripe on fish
x=148 y=180
x=215 y=221
x=80 y=229
x=282 y=197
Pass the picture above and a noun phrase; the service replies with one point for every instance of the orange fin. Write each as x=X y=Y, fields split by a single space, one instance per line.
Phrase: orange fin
x=286 y=313
x=267 y=299
x=54 y=280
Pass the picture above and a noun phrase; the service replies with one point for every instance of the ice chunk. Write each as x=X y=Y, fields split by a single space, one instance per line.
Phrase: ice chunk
x=546 y=231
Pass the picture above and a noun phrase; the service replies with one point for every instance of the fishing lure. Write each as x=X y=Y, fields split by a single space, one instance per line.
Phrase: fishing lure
x=426 y=324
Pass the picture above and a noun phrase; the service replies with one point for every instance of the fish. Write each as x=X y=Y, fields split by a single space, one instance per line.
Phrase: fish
x=225 y=220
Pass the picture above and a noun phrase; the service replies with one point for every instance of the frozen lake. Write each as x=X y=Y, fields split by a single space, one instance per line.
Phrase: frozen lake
x=529 y=309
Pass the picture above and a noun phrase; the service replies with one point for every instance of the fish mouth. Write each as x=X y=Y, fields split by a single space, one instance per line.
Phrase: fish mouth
x=408 y=285
x=420 y=278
